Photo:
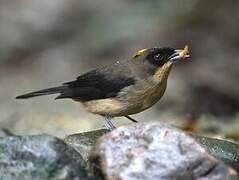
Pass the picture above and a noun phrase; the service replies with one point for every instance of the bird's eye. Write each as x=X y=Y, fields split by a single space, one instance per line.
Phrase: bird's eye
x=157 y=57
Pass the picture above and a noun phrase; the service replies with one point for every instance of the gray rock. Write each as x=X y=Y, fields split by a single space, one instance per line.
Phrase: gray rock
x=39 y=157
x=83 y=142
x=154 y=151
x=227 y=151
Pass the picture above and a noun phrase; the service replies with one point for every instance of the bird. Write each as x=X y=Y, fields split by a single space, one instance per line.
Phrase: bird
x=122 y=88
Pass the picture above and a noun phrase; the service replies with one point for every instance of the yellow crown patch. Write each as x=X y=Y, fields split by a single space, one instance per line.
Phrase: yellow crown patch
x=140 y=52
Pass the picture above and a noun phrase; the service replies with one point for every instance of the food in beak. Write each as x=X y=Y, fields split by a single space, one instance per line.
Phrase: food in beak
x=184 y=53
x=180 y=54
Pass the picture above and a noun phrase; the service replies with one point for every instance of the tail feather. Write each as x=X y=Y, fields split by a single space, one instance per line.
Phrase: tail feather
x=43 y=92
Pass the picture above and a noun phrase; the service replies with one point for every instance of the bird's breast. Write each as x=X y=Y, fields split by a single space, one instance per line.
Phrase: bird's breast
x=143 y=95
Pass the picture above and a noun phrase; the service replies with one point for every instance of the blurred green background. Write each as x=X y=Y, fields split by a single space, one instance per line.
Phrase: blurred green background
x=44 y=43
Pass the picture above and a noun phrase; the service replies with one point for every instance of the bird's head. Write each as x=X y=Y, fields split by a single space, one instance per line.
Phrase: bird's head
x=159 y=56
x=162 y=58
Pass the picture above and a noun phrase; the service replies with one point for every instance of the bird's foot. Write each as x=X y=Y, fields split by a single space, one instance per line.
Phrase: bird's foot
x=108 y=123
x=131 y=119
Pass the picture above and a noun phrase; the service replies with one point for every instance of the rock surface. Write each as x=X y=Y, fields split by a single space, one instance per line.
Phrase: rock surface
x=154 y=151
x=39 y=157
x=227 y=151
x=83 y=142
x=221 y=149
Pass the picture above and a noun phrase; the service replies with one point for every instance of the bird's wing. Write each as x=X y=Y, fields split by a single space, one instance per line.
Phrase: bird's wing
x=97 y=84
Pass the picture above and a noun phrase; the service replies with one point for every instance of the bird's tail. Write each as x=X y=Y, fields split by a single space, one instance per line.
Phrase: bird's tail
x=43 y=92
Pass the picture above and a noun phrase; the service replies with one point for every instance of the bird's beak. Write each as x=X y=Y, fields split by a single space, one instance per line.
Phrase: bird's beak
x=180 y=54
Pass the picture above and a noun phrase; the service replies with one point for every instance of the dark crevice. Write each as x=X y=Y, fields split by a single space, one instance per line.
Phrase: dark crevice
x=209 y=171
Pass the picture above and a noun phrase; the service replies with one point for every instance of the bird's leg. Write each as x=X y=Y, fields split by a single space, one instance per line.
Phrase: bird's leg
x=131 y=119
x=108 y=124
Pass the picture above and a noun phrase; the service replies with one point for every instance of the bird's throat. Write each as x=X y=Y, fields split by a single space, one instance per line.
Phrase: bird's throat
x=162 y=73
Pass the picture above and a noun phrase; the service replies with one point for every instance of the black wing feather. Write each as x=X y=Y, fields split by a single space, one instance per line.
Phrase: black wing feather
x=96 y=85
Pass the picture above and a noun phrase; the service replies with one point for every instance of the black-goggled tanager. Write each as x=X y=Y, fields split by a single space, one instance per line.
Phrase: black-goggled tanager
x=123 y=88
